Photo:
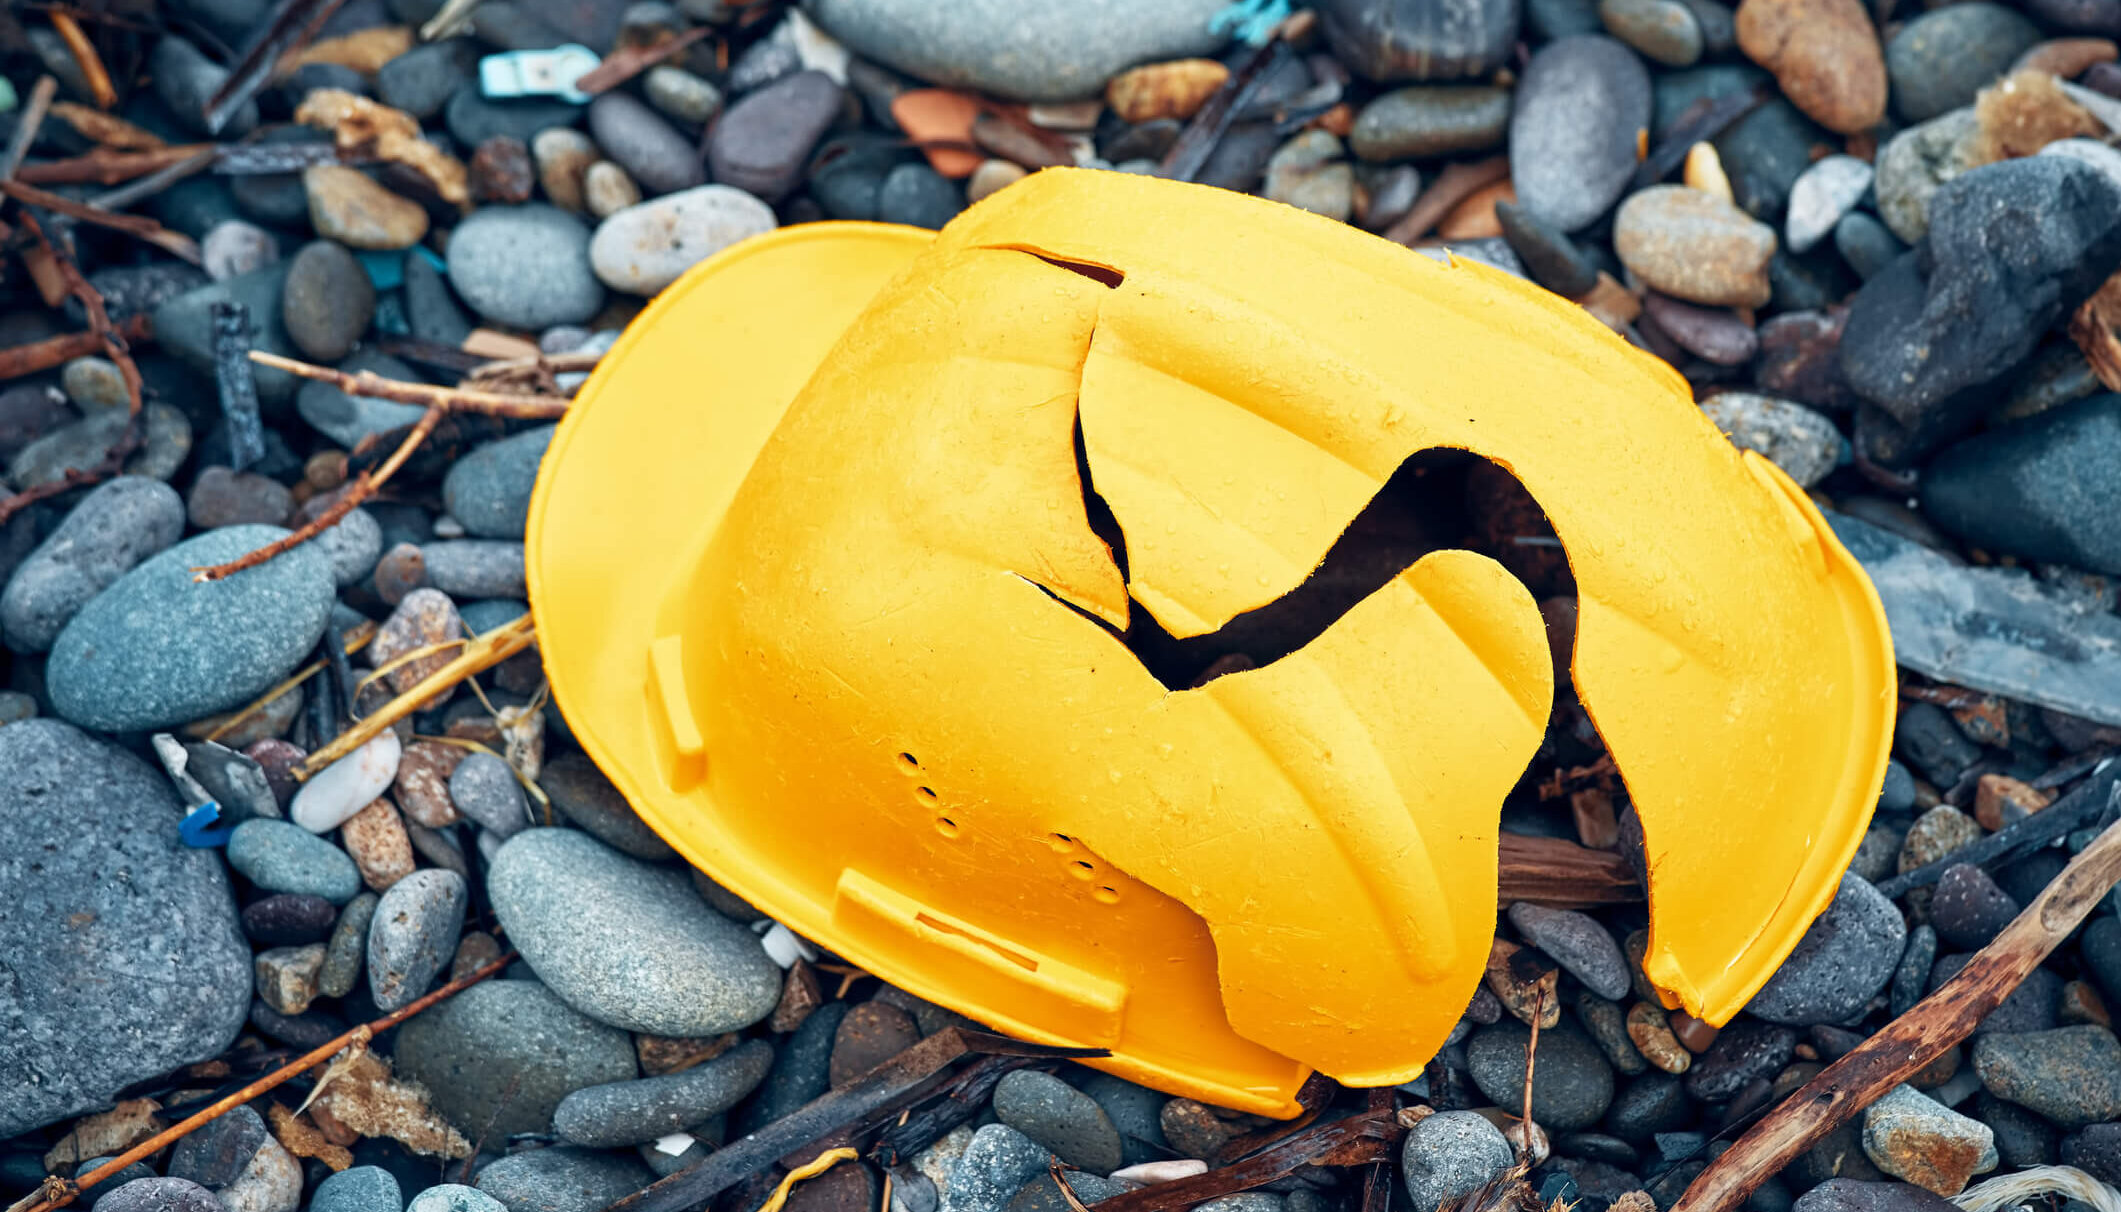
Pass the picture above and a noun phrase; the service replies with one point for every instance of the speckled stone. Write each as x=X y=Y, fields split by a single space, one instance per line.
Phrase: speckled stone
x=1060 y=1118
x=1844 y=959
x=414 y=934
x=156 y=648
x=626 y=943
x=636 y=1112
x=563 y=1179
x=124 y=951
x=502 y=1054
x=115 y=526
x=580 y=791
x=488 y=490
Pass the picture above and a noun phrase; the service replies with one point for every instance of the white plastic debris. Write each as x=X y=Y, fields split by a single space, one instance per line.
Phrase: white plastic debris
x=784 y=948
x=1161 y=1171
x=675 y=1144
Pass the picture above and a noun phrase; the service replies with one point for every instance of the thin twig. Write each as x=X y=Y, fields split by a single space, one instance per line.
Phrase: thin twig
x=60 y=1192
x=1455 y=184
x=1935 y=1025
x=115 y=346
x=478 y=656
x=40 y=103
x=58 y=351
x=85 y=55
x=623 y=65
x=290 y=27
x=153 y=183
x=140 y=227
x=363 y=487
x=449 y=399
x=106 y=167
x=354 y=639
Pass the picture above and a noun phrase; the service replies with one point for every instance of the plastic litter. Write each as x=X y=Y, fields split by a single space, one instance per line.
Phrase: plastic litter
x=845 y=636
x=550 y=72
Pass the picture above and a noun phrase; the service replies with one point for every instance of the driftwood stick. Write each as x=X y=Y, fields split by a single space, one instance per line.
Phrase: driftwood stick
x=451 y=399
x=40 y=103
x=84 y=53
x=1913 y=1040
x=139 y=227
x=478 y=655
x=1560 y=874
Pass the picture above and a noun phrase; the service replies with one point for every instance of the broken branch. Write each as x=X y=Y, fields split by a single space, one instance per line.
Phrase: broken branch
x=1905 y=1045
x=140 y=227
x=624 y=64
x=1454 y=185
x=57 y=351
x=85 y=56
x=67 y=1190
x=40 y=102
x=448 y=399
x=479 y=655
x=106 y=167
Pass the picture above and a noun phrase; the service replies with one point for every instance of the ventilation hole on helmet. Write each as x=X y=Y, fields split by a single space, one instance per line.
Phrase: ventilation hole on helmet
x=926 y=793
x=1106 y=894
x=947 y=827
x=1060 y=842
x=909 y=764
x=1105 y=275
x=1083 y=870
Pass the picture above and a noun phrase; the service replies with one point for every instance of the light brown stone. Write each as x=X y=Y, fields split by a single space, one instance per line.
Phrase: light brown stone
x=1165 y=90
x=346 y=206
x=375 y=839
x=1824 y=54
x=1694 y=246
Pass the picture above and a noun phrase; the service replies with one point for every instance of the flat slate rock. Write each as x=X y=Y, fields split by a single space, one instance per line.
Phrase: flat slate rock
x=1990 y=629
x=124 y=951
x=158 y=649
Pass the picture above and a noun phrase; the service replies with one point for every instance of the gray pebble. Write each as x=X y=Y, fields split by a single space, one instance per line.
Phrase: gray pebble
x=476 y=568
x=488 y=490
x=626 y=943
x=283 y=857
x=1842 y=961
x=580 y=791
x=650 y=1108
x=1449 y=1154
x=2071 y=1075
x=347 y=419
x=454 y=1197
x=159 y=1195
x=524 y=266
x=414 y=934
x=485 y=790
x=157 y=648
x=1571 y=1085
x=997 y=1162
x=327 y=301
x=1060 y=1118
x=346 y=952
x=562 y=1179
x=1578 y=943
x=115 y=526
x=358 y=1189
x=500 y=1056
x=216 y=1154
x=640 y=141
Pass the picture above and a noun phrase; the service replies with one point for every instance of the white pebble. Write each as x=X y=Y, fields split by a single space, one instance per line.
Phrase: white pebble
x=347 y=785
x=1160 y=1171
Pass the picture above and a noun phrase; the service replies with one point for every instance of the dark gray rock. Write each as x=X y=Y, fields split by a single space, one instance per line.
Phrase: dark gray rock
x=157 y=648
x=1549 y=256
x=216 y=1154
x=326 y=302
x=524 y=266
x=2031 y=1007
x=472 y=119
x=184 y=79
x=284 y=857
x=1665 y=31
x=184 y=326
x=2096 y=1151
x=626 y=943
x=1852 y=1195
x=581 y=792
x=2071 y=1075
x=422 y=80
x=1578 y=943
x=640 y=141
x=1419 y=39
x=124 y=953
x=1939 y=60
x=2012 y=248
x=2042 y=489
x=489 y=489
x=118 y=524
x=475 y=568
x=414 y=934
x=1764 y=153
x=505 y=1052
x=1911 y=977
x=1053 y=52
x=358 y=1189
x=1653 y=1103
x=801 y=1071
x=347 y=419
x=1968 y=909
x=1572 y=132
x=289 y=919
x=1866 y=244
x=561 y=1179
x=1059 y=1117
x=1449 y=1155
x=1928 y=740
x=346 y=951
x=1412 y=123
x=650 y=1108
x=2022 y=1138
x=1843 y=960
x=2100 y=947
x=763 y=140
x=430 y=308
x=918 y=196
x=485 y=791
x=159 y=1195
x=137 y=290
x=997 y=1162
x=1571 y=1086
x=1745 y=1049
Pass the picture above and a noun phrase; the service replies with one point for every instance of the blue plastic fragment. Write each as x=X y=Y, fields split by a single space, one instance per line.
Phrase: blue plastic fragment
x=430 y=256
x=386 y=267
x=1250 y=21
x=197 y=829
x=550 y=72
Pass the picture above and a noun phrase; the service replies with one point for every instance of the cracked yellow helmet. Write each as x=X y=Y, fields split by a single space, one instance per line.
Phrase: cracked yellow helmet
x=816 y=585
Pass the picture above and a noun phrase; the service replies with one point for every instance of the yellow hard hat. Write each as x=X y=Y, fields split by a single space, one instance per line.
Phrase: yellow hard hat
x=815 y=585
